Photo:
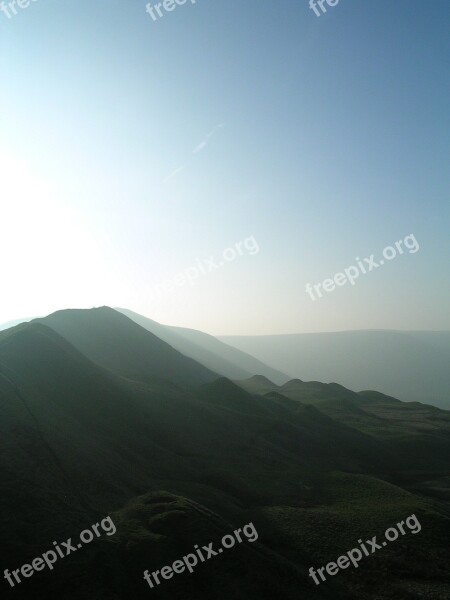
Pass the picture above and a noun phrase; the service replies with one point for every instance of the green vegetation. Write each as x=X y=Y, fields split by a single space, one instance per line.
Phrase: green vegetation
x=90 y=427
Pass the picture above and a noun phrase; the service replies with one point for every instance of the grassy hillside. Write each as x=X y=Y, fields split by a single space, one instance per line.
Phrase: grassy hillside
x=177 y=468
x=417 y=434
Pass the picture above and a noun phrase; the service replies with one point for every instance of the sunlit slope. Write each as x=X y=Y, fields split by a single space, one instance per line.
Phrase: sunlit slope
x=113 y=341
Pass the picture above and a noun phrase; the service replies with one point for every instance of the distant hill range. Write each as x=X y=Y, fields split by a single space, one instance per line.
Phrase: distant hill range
x=409 y=365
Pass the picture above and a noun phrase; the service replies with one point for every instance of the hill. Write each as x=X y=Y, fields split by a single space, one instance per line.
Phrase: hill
x=115 y=342
x=409 y=365
x=175 y=468
x=208 y=350
x=413 y=431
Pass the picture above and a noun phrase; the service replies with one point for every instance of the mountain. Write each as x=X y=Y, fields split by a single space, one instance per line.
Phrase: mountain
x=205 y=349
x=208 y=350
x=409 y=365
x=114 y=342
x=180 y=468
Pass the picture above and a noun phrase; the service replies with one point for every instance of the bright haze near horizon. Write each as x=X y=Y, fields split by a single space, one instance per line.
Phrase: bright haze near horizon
x=130 y=149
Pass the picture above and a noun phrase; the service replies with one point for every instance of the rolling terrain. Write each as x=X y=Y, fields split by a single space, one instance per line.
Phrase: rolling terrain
x=314 y=467
x=408 y=365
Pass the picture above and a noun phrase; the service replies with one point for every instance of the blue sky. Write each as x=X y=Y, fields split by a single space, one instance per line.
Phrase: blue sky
x=325 y=138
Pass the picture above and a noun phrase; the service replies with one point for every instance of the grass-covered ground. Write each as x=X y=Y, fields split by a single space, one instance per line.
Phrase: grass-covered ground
x=180 y=466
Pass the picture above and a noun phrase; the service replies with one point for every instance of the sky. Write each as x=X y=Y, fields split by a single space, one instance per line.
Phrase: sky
x=203 y=168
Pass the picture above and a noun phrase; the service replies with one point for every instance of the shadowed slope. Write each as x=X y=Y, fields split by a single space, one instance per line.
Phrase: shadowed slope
x=208 y=350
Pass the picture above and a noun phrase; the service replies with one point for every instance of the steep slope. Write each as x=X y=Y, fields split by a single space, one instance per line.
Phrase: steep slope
x=208 y=350
x=409 y=365
x=88 y=424
x=114 y=342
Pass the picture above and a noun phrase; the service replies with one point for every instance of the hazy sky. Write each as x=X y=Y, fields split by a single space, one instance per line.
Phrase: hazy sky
x=131 y=149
